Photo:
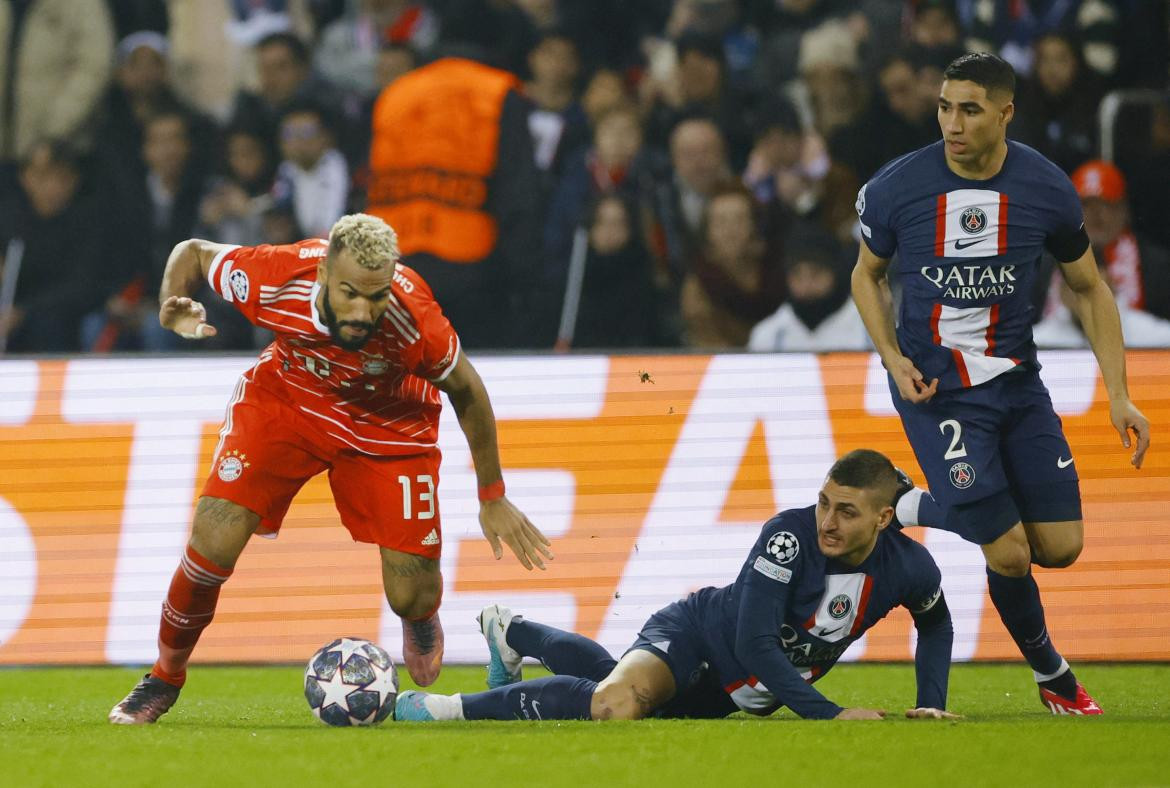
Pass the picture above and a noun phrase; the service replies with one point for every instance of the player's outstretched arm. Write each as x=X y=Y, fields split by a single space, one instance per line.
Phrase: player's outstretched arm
x=932 y=655
x=186 y=271
x=500 y=520
x=871 y=297
x=1096 y=309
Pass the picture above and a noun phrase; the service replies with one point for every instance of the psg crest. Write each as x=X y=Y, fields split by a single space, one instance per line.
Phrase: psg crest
x=962 y=475
x=839 y=606
x=973 y=220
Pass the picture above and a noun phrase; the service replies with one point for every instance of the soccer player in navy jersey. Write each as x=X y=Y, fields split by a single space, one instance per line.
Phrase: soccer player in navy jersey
x=969 y=218
x=815 y=581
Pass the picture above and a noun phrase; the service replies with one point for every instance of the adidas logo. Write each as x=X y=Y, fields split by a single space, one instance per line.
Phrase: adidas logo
x=431 y=538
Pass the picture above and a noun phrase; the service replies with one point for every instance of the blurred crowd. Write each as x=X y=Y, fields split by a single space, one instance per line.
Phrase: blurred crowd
x=669 y=173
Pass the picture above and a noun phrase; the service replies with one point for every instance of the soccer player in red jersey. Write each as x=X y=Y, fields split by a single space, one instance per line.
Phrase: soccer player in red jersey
x=350 y=385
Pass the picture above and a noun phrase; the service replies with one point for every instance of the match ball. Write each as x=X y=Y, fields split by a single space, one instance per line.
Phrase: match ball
x=351 y=681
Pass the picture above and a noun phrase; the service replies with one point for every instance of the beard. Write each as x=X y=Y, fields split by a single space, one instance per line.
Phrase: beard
x=335 y=326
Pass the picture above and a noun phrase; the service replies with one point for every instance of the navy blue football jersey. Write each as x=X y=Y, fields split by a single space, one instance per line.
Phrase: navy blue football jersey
x=792 y=612
x=968 y=253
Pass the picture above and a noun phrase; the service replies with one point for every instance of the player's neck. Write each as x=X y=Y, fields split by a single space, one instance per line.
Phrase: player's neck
x=982 y=168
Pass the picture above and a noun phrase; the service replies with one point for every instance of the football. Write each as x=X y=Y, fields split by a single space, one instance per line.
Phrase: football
x=351 y=681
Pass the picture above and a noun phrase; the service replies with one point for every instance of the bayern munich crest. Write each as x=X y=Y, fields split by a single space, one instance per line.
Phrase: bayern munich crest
x=783 y=547
x=962 y=475
x=231 y=466
x=973 y=220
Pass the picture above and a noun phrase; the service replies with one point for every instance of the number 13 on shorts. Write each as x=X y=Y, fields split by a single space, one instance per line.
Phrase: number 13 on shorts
x=421 y=488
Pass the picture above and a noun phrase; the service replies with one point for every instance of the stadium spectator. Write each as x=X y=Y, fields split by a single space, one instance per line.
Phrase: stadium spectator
x=312 y=178
x=154 y=212
x=1056 y=108
x=285 y=77
x=754 y=645
x=1010 y=27
x=558 y=123
x=233 y=210
x=56 y=65
x=357 y=335
x=736 y=279
x=1149 y=174
x=785 y=23
x=140 y=90
x=1135 y=267
x=618 y=305
x=901 y=120
x=934 y=23
x=696 y=84
x=452 y=170
x=605 y=90
x=818 y=314
x=617 y=161
x=54 y=241
x=1061 y=328
x=349 y=49
x=698 y=158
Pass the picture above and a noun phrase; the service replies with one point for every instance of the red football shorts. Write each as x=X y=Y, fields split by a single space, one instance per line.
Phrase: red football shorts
x=268 y=451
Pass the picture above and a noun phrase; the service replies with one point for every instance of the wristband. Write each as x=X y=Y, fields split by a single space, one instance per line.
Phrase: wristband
x=491 y=492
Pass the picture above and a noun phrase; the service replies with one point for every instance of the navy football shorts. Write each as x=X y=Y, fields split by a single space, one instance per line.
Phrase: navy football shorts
x=673 y=636
x=994 y=455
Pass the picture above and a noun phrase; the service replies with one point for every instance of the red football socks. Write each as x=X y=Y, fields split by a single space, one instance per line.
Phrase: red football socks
x=186 y=612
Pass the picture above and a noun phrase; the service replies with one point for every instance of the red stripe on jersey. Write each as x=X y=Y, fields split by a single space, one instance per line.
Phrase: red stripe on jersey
x=961 y=366
x=993 y=319
x=866 y=590
x=935 y=315
x=940 y=227
x=733 y=686
x=1003 y=222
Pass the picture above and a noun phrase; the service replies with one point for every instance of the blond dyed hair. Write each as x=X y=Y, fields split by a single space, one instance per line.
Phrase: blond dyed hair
x=373 y=242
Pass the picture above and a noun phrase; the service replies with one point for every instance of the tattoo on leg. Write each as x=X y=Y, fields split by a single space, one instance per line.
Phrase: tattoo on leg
x=216 y=511
x=411 y=566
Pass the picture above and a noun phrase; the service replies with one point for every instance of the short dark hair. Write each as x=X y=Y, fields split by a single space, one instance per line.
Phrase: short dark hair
x=866 y=469
x=290 y=41
x=989 y=71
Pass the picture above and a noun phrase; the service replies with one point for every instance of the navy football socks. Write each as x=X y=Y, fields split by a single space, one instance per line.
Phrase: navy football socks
x=549 y=698
x=564 y=653
x=1018 y=601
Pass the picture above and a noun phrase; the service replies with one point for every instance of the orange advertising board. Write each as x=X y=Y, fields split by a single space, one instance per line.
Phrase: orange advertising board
x=652 y=475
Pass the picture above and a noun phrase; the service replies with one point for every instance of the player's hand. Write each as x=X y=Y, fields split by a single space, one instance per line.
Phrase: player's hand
x=502 y=521
x=911 y=385
x=1125 y=417
x=186 y=317
x=861 y=714
x=925 y=713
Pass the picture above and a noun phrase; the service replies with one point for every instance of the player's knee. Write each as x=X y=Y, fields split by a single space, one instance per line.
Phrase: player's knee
x=1059 y=556
x=618 y=702
x=1011 y=562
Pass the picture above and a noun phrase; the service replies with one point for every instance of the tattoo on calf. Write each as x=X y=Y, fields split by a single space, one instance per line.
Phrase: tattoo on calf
x=411 y=566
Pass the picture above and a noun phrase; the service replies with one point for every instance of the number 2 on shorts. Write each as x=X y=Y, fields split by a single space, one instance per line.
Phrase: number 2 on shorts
x=956 y=449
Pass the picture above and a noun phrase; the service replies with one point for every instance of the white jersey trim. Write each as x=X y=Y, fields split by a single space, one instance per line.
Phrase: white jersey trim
x=213 y=271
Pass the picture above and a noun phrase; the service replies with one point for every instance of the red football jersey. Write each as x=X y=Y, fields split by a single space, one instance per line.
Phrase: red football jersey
x=380 y=399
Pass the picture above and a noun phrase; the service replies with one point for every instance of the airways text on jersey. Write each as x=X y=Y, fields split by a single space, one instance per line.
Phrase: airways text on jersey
x=377 y=400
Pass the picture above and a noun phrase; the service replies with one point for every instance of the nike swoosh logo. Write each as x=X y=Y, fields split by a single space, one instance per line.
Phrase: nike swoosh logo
x=965 y=244
x=1063 y=463
x=825 y=633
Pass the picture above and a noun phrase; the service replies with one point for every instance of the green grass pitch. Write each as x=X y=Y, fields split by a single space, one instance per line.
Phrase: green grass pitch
x=250 y=726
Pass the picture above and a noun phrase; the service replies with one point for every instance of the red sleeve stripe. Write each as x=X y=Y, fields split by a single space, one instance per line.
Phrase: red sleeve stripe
x=1003 y=224
x=940 y=227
